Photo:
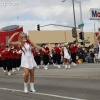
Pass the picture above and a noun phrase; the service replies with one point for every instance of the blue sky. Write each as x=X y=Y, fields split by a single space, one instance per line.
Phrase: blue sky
x=33 y=12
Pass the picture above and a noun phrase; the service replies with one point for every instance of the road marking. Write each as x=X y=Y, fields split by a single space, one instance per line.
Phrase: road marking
x=51 y=95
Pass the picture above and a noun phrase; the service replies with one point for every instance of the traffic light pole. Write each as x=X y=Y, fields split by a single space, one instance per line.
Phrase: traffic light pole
x=74 y=20
x=81 y=22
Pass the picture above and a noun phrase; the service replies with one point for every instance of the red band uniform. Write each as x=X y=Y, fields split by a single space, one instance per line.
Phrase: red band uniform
x=36 y=55
x=45 y=55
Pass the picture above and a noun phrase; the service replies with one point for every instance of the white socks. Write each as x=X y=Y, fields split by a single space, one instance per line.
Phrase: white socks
x=67 y=66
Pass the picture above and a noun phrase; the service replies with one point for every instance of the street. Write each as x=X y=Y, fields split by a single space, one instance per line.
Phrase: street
x=81 y=82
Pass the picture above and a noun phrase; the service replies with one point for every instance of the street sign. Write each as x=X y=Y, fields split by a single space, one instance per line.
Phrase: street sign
x=80 y=25
x=86 y=41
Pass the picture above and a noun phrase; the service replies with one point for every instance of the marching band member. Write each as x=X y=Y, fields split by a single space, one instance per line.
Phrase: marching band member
x=61 y=53
x=45 y=56
x=5 y=60
x=12 y=58
x=66 y=56
x=54 y=56
x=16 y=59
x=27 y=60
x=19 y=54
x=57 y=53
x=73 y=50
x=37 y=57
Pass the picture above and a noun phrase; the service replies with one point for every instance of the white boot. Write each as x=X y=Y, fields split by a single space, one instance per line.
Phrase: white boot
x=54 y=64
x=1 y=68
x=25 y=87
x=45 y=67
x=4 y=71
x=69 y=66
x=13 y=70
x=65 y=66
x=9 y=73
x=58 y=66
x=32 y=87
x=73 y=64
x=37 y=67
x=18 y=68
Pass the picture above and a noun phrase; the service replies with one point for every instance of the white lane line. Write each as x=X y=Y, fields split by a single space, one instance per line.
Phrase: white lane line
x=51 y=95
x=86 y=68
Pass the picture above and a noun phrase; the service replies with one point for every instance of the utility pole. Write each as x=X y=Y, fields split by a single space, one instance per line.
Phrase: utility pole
x=74 y=20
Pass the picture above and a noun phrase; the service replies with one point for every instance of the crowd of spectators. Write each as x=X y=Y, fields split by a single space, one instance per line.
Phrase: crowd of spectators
x=88 y=54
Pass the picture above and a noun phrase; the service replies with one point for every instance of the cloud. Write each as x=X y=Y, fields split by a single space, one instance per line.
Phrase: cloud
x=33 y=12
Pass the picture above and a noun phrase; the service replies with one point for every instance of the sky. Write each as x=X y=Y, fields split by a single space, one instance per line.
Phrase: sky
x=29 y=13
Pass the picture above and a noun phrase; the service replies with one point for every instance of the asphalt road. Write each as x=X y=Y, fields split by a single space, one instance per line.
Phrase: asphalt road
x=81 y=82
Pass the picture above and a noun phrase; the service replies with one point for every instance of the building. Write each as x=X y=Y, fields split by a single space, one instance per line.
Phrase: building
x=58 y=36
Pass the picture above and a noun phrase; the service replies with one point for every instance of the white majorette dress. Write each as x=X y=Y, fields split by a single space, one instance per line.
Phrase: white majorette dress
x=66 y=54
x=27 y=59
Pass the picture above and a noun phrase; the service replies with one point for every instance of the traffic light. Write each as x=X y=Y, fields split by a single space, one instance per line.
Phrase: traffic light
x=38 y=27
x=82 y=43
x=81 y=35
x=74 y=33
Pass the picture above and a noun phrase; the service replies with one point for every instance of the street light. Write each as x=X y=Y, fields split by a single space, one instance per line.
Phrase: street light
x=74 y=17
x=63 y=0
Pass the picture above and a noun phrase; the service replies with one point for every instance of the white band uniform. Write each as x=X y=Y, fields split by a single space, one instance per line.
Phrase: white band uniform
x=27 y=59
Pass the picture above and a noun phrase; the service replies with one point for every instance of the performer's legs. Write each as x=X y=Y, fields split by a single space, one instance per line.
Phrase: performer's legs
x=45 y=62
x=18 y=64
x=4 y=65
x=46 y=59
x=1 y=64
x=26 y=71
x=13 y=65
x=37 y=61
x=32 y=80
x=54 y=59
x=8 y=66
x=58 y=58
x=65 y=63
x=73 y=56
x=68 y=62
x=35 y=58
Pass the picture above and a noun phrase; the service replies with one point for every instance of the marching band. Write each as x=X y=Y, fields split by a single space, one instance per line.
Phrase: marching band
x=10 y=57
